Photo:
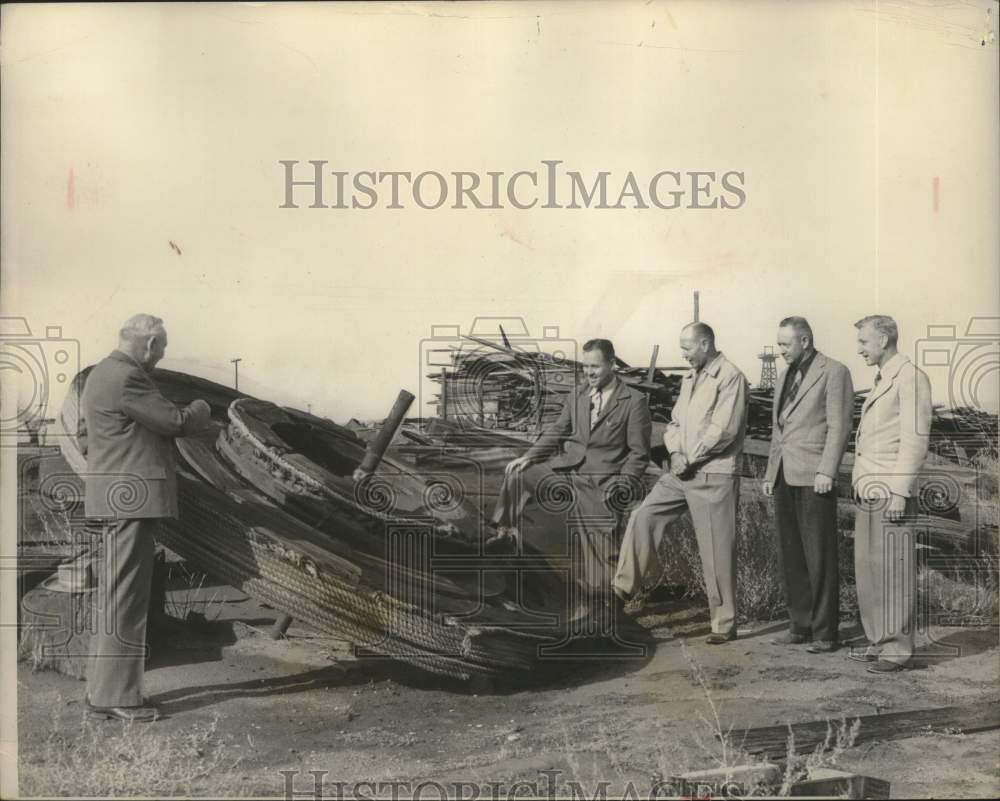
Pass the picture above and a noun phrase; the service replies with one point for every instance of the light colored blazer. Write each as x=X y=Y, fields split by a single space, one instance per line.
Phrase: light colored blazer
x=129 y=446
x=817 y=426
x=617 y=445
x=894 y=433
x=709 y=422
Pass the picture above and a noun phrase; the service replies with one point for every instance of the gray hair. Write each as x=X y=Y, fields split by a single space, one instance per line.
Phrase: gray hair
x=882 y=323
x=140 y=327
x=800 y=325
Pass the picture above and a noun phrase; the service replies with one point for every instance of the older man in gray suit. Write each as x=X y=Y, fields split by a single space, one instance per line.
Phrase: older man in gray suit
x=811 y=423
x=130 y=484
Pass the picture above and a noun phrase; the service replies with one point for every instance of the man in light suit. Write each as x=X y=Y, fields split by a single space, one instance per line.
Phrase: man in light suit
x=811 y=424
x=890 y=448
x=704 y=441
x=130 y=484
x=593 y=457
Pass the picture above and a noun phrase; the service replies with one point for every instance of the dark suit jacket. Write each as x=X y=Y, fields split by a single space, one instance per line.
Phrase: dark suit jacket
x=130 y=431
x=618 y=444
x=817 y=427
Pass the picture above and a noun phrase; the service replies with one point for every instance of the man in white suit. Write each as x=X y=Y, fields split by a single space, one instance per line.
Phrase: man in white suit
x=890 y=448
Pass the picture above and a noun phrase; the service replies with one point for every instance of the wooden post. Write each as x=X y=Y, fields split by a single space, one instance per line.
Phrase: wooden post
x=236 y=373
x=540 y=411
x=696 y=306
x=280 y=627
x=378 y=446
x=652 y=364
x=443 y=402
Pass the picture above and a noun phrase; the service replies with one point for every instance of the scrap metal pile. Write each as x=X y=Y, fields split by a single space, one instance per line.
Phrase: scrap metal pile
x=504 y=386
x=512 y=388
x=392 y=563
x=958 y=435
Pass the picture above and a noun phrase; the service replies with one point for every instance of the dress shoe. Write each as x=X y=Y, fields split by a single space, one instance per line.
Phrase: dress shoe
x=790 y=638
x=823 y=647
x=86 y=701
x=135 y=714
x=862 y=656
x=623 y=613
x=502 y=543
x=882 y=666
x=718 y=638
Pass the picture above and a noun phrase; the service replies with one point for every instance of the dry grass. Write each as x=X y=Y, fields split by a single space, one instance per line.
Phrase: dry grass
x=81 y=757
x=179 y=603
x=827 y=754
x=724 y=752
x=727 y=754
x=987 y=497
x=963 y=596
x=759 y=588
x=758 y=585
x=967 y=592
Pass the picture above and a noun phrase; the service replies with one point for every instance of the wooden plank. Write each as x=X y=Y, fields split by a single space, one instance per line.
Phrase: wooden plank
x=771 y=742
x=827 y=783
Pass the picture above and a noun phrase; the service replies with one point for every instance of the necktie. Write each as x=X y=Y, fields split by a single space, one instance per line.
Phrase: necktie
x=595 y=407
x=878 y=377
x=789 y=397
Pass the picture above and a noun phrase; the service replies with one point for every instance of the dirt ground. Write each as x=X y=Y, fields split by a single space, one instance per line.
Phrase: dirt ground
x=304 y=703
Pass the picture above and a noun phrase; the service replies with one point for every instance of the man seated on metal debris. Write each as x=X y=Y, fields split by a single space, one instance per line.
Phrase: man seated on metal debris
x=565 y=497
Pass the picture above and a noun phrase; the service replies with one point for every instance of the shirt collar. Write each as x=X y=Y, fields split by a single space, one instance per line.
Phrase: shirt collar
x=122 y=356
x=607 y=389
x=712 y=368
x=893 y=366
x=803 y=364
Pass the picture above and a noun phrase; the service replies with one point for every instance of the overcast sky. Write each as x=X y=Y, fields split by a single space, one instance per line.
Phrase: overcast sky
x=126 y=129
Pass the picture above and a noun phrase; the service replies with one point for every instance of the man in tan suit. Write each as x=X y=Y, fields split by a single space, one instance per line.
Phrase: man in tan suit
x=564 y=488
x=811 y=423
x=130 y=483
x=890 y=448
x=704 y=442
